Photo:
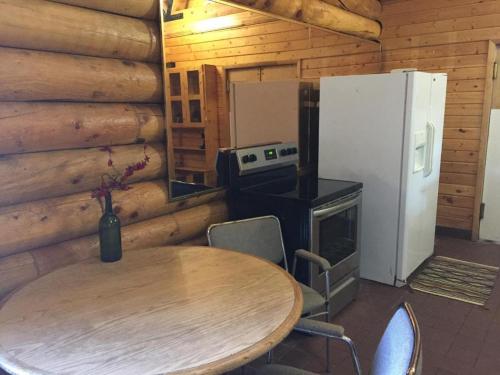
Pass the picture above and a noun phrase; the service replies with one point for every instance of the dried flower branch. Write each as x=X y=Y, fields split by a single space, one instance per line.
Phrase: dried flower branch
x=117 y=180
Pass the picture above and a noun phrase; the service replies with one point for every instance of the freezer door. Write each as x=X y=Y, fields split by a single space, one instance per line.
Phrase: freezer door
x=361 y=139
x=423 y=139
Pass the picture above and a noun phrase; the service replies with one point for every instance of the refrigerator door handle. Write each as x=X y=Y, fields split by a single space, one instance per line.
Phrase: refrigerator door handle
x=431 y=131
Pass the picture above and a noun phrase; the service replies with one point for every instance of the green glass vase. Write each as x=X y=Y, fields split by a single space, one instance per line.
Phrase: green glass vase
x=110 y=239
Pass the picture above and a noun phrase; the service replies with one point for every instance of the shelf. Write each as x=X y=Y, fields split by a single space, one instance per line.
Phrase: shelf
x=192 y=169
x=195 y=127
x=190 y=149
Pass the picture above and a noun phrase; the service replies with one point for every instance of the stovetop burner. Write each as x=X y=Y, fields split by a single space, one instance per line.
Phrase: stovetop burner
x=309 y=189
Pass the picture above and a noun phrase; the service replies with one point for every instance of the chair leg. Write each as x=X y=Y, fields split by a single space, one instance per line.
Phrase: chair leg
x=269 y=359
x=327 y=319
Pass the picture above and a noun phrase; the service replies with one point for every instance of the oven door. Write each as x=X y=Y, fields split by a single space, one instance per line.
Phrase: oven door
x=335 y=236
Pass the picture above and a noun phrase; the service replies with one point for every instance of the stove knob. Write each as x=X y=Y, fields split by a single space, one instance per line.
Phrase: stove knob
x=289 y=151
x=252 y=158
x=283 y=152
x=294 y=150
x=245 y=159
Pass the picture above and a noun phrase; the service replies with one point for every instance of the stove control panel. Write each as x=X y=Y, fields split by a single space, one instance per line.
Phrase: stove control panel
x=260 y=158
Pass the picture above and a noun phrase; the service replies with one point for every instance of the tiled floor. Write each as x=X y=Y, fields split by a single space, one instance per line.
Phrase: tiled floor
x=458 y=338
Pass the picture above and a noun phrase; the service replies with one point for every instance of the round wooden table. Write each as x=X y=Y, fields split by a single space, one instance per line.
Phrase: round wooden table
x=194 y=310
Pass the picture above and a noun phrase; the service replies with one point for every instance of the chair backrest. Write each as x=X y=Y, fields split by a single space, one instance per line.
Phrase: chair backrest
x=399 y=351
x=260 y=236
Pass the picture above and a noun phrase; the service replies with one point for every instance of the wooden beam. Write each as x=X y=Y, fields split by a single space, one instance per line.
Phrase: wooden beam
x=41 y=126
x=368 y=8
x=28 y=75
x=63 y=218
x=44 y=25
x=134 y=8
x=313 y=13
x=32 y=176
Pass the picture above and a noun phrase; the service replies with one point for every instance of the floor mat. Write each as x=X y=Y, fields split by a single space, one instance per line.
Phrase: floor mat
x=456 y=279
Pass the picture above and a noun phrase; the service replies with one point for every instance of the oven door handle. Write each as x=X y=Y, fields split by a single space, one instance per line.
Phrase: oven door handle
x=335 y=209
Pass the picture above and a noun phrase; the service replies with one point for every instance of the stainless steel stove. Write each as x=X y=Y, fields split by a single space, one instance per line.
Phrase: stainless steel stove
x=319 y=215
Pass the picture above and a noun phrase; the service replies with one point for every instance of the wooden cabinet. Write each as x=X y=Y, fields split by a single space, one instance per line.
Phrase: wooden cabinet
x=192 y=126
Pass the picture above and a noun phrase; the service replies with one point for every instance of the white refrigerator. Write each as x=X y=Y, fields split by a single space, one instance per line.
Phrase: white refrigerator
x=386 y=131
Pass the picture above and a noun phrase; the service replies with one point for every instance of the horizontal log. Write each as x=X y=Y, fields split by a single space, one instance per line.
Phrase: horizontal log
x=32 y=75
x=165 y=230
x=181 y=227
x=368 y=8
x=318 y=13
x=48 y=26
x=134 y=8
x=198 y=241
x=30 y=225
x=31 y=127
x=30 y=177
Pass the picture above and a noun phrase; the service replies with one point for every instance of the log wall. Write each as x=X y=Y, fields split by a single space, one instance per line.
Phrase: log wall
x=72 y=80
x=451 y=37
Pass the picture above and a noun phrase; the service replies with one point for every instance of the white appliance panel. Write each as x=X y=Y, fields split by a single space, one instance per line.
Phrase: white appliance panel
x=490 y=227
x=264 y=112
x=361 y=139
x=421 y=166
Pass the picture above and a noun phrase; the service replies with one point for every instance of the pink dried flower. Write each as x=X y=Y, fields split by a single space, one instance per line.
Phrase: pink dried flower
x=118 y=181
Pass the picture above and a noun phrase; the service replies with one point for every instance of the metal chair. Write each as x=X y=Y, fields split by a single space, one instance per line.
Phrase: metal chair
x=262 y=237
x=399 y=351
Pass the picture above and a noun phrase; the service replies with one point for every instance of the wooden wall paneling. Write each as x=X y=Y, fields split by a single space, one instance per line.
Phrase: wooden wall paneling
x=141 y=9
x=458 y=167
x=450 y=12
x=442 y=38
x=485 y=125
x=398 y=7
x=45 y=25
x=33 y=75
x=193 y=42
x=455 y=24
x=34 y=176
x=42 y=126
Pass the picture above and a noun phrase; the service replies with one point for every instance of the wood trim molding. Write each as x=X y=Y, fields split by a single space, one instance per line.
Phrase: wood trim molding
x=483 y=145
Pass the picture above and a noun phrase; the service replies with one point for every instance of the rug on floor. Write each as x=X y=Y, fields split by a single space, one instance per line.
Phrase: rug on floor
x=456 y=279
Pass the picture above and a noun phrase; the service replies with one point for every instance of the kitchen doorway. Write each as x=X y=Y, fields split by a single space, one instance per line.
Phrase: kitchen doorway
x=490 y=224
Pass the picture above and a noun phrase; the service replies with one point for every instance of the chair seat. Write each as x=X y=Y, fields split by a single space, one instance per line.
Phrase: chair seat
x=281 y=370
x=313 y=300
